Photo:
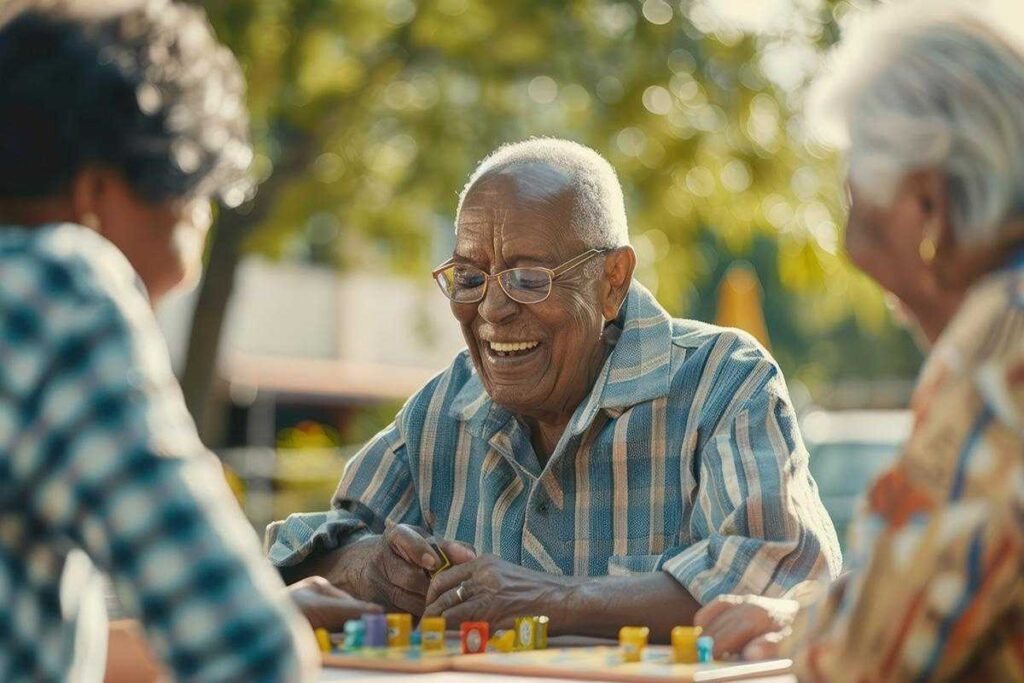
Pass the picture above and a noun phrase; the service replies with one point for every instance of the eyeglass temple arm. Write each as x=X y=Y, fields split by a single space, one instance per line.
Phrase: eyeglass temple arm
x=441 y=267
x=578 y=261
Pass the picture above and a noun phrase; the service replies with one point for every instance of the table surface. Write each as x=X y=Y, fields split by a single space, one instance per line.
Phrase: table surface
x=353 y=676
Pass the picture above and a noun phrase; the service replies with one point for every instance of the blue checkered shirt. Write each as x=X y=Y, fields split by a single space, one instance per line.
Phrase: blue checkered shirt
x=685 y=457
x=100 y=467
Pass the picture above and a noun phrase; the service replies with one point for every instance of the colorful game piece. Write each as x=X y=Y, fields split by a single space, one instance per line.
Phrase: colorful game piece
x=399 y=628
x=542 y=633
x=526 y=633
x=355 y=631
x=505 y=641
x=705 y=649
x=474 y=637
x=633 y=640
x=432 y=634
x=684 y=644
x=415 y=640
x=323 y=639
x=376 y=630
x=443 y=564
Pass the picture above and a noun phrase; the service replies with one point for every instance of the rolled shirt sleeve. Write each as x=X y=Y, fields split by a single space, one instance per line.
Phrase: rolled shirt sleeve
x=375 y=488
x=758 y=525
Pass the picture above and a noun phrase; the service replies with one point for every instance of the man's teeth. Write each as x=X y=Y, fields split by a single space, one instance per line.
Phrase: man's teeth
x=501 y=347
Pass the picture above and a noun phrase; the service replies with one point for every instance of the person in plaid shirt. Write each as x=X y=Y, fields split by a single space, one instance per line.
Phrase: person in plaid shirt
x=932 y=103
x=116 y=126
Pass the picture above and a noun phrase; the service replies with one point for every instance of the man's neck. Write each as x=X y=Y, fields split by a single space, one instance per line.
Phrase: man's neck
x=546 y=429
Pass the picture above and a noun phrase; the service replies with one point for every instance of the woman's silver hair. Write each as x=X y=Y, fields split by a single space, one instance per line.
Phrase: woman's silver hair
x=930 y=85
x=556 y=167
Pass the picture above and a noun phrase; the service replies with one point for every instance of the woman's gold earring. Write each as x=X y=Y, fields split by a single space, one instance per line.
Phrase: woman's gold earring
x=92 y=221
x=926 y=250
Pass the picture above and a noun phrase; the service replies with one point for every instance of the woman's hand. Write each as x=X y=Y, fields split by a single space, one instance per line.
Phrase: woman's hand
x=493 y=590
x=749 y=625
x=325 y=606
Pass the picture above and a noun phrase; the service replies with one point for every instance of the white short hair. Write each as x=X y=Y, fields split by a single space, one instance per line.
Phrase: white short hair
x=599 y=213
x=930 y=85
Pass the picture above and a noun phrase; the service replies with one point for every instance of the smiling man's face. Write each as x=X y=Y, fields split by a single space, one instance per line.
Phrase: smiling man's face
x=556 y=346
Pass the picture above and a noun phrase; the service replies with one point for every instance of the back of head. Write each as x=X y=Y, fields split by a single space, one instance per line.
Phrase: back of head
x=138 y=86
x=549 y=167
x=930 y=86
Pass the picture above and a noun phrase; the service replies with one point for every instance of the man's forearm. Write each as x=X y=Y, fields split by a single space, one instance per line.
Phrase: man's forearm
x=344 y=567
x=599 y=606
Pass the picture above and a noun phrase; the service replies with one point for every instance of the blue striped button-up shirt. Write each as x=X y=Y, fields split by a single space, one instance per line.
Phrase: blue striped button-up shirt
x=684 y=457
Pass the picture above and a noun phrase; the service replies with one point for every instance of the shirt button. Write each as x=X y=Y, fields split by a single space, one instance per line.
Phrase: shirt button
x=542 y=508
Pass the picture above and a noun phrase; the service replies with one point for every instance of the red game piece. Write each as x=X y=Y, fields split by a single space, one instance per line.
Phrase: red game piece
x=474 y=637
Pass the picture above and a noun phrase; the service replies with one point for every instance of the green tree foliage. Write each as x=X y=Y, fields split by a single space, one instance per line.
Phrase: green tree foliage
x=370 y=114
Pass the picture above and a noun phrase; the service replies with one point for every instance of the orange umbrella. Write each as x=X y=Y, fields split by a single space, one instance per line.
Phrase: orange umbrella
x=739 y=301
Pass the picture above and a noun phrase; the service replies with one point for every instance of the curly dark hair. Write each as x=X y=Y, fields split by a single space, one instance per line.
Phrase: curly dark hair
x=145 y=89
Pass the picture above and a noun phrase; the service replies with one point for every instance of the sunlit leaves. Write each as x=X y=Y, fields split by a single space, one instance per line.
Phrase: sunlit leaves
x=696 y=104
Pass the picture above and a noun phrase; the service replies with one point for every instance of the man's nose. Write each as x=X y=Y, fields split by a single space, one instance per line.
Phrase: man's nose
x=496 y=306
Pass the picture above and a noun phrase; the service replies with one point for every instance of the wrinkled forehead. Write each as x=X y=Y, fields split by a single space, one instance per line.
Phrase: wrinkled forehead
x=530 y=202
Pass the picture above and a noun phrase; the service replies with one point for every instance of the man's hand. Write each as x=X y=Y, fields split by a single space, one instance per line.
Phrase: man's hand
x=325 y=606
x=750 y=625
x=495 y=591
x=389 y=569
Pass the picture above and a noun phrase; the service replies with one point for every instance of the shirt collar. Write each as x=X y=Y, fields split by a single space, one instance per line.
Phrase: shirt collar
x=638 y=369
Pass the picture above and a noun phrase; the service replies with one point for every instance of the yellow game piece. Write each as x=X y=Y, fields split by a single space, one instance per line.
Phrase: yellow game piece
x=399 y=628
x=633 y=640
x=445 y=563
x=506 y=642
x=684 y=644
x=526 y=633
x=542 y=633
x=432 y=634
x=323 y=639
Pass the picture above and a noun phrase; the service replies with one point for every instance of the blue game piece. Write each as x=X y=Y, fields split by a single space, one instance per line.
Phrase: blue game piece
x=355 y=631
x=376 y=630
x=705 y=649
x=415 y=638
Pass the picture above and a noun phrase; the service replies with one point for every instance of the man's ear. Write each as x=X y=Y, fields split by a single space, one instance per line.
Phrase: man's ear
x=619 y=264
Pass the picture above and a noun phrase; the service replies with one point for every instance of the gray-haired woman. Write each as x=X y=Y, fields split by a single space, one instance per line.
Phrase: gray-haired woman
x=930 y=103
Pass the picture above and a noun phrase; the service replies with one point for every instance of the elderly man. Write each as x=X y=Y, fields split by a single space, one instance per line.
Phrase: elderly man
x=614 y=465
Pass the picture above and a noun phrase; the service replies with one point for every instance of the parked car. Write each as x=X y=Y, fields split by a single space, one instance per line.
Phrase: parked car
x=848 y=449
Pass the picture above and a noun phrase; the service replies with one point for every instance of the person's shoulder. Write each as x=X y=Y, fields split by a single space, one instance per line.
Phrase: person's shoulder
x=440 y=391
x=66 y=262
x=699 y=340
x=68 y=294
x=722 y=367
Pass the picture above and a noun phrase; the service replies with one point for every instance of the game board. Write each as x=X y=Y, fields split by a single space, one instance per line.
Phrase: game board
x=601 y=663
x=604 y=663
x=405 y=659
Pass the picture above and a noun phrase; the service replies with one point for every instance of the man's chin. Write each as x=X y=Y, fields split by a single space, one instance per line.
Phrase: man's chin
x=515 y=398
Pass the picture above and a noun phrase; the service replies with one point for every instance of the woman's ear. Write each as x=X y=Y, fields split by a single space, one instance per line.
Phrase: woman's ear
x=619 y=264
x=931 y=188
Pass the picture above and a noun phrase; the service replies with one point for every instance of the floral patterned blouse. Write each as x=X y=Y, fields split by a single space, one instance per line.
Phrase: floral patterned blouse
x=935 y=589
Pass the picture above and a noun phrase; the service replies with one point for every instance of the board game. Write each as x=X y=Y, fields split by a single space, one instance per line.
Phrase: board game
x=390 y=643
x=601 y=662
x=404 y=659
x=604 y=663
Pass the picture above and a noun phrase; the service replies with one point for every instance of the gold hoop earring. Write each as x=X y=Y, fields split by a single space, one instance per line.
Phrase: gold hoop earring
x=927 y=250
x=92 y=221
